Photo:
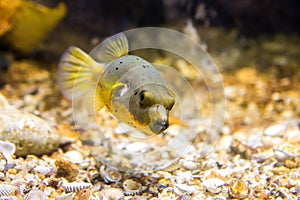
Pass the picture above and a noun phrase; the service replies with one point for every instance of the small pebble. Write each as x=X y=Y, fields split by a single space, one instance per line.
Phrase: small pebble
x=275 y=130
x=12 y=171
x=189 y=165
x=213 y=185
x=186 y=188
x=74 y=156
x=66 y=169
x=137 y=147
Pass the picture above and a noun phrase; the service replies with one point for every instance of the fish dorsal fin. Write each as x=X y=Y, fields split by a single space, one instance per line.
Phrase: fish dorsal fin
x=111 y=48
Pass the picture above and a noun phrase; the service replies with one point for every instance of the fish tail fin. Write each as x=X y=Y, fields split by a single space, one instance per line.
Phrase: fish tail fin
x=78 y=76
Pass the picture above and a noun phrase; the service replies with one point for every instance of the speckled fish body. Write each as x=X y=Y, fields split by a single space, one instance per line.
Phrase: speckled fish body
x=133 y=76
x=128 y=86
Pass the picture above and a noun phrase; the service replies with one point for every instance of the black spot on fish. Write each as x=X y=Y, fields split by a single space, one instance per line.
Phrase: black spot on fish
x=116 y=110
x=135 y=92
x=117 y=68
x=144 y=66
x=121 y=62
x=137 y=58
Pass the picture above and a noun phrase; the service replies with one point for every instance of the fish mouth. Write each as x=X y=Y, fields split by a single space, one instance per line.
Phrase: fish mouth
x=159 y=126
x=159 y=119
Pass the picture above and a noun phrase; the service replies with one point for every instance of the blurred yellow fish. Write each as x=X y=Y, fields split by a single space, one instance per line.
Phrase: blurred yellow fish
x=128 y=86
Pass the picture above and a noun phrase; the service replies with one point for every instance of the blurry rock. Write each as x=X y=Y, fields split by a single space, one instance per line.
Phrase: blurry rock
x=66 y=169
x=26 y=72
x=30 y=134
x=247 y=75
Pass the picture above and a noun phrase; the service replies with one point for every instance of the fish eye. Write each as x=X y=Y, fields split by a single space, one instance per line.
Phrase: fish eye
x=145 y=98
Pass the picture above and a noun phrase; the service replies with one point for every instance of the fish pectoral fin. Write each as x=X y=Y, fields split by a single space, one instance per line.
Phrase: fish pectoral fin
x=120 y=89
x=111 y=48
x=77 y=72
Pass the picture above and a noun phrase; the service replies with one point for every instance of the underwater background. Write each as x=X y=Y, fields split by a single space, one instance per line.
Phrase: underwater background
x=256 y=154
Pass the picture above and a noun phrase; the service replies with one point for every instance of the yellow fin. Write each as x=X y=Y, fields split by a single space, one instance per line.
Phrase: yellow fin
x=111 y=48
x=174 y=120
x=78 y=75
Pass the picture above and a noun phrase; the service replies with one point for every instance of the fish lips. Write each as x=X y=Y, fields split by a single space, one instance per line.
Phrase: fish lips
x=159 y=118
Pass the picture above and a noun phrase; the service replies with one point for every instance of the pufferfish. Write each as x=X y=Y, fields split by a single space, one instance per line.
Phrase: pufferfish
x=130 y=87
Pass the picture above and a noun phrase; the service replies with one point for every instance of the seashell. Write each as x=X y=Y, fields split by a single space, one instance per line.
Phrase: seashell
x=8 y=190
x=275 y=130
x=183 y=197
x=245 y=151
x=29 y=133
x=52 y=182
x=295 y=190
x=285 y=192
x=183 y=177
x=36 y=194
x=94 y=174
x=186 y=188
x=68 y=196
x=198 y=195
x=43 y=170
x=132 y=187
x=74 y=156
x=83 y=194
x=110 y=193
x=213 y=185
x=110 y=175
x=189 y=165
x=7 y=148
x=239 y=189
x=137 y=147
x=286 y=152
x=9 y=198
x=75 y=187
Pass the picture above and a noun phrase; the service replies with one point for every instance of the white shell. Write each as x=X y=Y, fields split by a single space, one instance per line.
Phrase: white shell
x=36 y=195
x=213 y=185
x=186 y=188
x=42 y=169
x=68 y=196
x=7 y=148
x=110 y=175
x=110 y=194
x=74 y=156
x=9 y=198
x=132 y=187
x=275 y=130
x=75 y=187
x=137 y=147
x=7 y=190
